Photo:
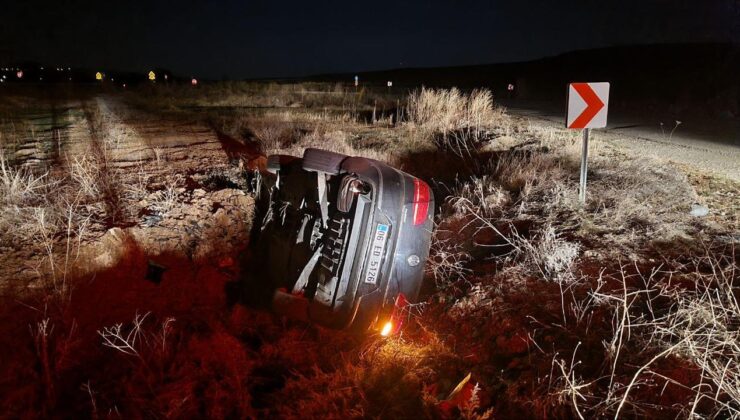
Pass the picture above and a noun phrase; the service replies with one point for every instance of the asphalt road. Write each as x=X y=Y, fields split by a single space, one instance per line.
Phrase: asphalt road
x=712 y=146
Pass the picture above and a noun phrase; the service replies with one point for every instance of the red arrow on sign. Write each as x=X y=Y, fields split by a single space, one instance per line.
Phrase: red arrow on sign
x=593 y=105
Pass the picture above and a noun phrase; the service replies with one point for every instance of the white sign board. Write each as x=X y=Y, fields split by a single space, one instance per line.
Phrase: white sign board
x=588 y=104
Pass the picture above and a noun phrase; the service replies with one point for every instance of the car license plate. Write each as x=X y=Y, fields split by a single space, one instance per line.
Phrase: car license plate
x=376 y=254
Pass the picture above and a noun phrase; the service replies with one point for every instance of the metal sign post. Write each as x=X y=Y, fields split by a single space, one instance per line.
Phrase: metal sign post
x=587 y=108
x=584 y=167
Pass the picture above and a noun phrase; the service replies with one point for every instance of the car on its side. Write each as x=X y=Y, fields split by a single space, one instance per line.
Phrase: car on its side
x=342 y=240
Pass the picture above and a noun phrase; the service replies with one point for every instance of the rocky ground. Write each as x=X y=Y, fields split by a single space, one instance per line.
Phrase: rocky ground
x=174 y=187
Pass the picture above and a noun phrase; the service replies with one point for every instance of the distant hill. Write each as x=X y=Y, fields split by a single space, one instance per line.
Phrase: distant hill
x=673 y=78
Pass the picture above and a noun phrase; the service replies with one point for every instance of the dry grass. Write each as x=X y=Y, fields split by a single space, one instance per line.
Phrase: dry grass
x=447 y=261
x=335 y=141
x=164 y=200
x=454 y=120
x=704 y=329
x=519 y=210
x=43 y=214
x=50 y=212
x=553 y=256
x=541 y=183
x=626 y=306
x=85 y=172
x=234 y=101
x=19 y=186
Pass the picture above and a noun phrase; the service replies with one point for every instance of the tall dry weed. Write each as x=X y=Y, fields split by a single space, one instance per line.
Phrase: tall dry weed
x=454 y=120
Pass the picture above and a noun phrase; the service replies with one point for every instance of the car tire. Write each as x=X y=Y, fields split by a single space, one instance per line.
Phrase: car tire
x=276 y=162
x=316 y=160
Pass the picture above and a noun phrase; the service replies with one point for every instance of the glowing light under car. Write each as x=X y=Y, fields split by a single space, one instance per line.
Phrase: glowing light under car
x=387 y=329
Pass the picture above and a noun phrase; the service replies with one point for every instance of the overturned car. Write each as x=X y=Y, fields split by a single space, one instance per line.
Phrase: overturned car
x=341 y=241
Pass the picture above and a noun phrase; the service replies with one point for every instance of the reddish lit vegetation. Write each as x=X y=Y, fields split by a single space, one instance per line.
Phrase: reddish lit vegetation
x=625 y=307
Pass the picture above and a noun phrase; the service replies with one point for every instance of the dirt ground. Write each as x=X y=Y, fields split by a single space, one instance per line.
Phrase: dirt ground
x=121 y=295
x=187 y=161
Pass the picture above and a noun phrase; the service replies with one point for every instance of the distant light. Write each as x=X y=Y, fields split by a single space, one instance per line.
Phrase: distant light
x=152 y=76
x=390 y=84
x=165 y=77
x=98 y=76
x=194 y=81
x=42 y=68
x=70 y=79
x=19 y=74
x=112 y=79
x=124 y=86
x=69 y=68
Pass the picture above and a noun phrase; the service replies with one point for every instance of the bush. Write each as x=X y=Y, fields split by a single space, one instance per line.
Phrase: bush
x=454 y=120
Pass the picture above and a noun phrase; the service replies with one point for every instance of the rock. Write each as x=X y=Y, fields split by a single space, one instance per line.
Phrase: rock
x=698 y=210
x=116 y=234
x=151 y=220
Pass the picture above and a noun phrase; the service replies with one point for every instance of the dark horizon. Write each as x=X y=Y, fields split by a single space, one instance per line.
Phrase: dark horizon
x=234 y=40
x=390 y=70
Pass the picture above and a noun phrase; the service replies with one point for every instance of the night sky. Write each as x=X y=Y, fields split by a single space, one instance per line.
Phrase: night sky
x=245 y=39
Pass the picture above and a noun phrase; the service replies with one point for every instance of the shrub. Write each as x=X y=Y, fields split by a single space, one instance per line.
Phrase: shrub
x=454 y=120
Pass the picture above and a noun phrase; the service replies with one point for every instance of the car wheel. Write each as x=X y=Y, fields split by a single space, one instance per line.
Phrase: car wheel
x=276 y=162
x=316 y=160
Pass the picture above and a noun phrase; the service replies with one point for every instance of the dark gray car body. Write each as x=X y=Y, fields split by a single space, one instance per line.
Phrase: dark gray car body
x=343 y=266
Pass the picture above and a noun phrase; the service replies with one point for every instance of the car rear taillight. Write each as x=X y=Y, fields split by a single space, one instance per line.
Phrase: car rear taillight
x=421 y=201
